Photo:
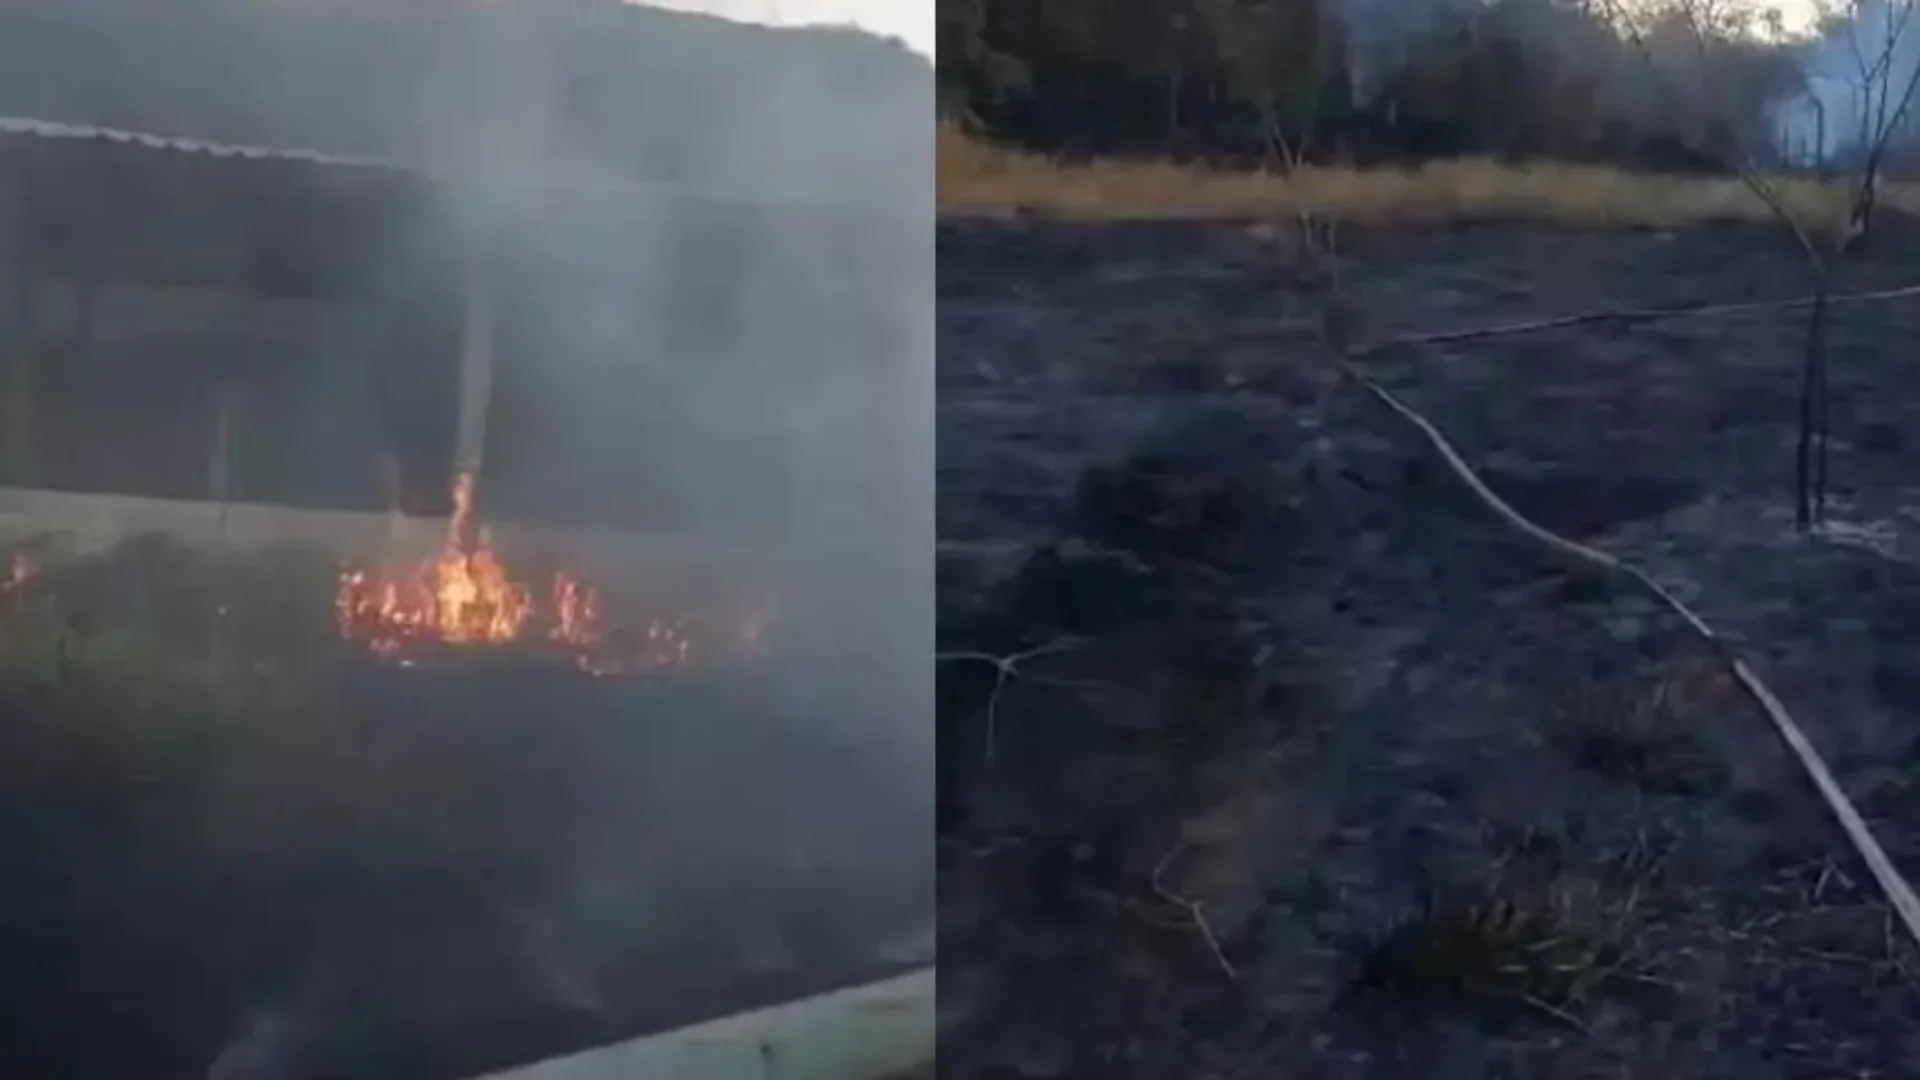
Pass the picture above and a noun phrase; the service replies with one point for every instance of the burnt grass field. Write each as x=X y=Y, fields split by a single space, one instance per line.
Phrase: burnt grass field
x=1316 y=769
x=238 y=847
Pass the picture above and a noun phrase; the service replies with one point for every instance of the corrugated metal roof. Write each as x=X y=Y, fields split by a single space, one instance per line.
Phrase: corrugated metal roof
x=53 y=129
x=556 y=183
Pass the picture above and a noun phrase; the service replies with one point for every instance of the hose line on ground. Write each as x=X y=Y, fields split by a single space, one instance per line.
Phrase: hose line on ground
x=1898 y=892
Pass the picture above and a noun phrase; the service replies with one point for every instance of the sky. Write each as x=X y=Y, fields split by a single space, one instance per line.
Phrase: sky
x=1797 y=16
x=910 y=21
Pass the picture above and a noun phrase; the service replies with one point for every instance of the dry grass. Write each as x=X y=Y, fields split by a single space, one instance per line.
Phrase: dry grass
x=975 y=177
x=1553 y=951
x=116 y=690
x=1649 y=741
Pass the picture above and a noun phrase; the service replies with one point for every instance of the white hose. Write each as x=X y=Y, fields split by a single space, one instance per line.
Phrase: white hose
x=1899 y=893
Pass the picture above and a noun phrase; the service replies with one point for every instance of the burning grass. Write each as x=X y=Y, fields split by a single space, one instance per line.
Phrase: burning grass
x=1553 y=951
x=465 y=595
x=205 y=787
x=211 y=691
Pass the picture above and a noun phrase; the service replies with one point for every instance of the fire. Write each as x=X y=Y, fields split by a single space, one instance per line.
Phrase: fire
x=23 y=569
x=465 y=596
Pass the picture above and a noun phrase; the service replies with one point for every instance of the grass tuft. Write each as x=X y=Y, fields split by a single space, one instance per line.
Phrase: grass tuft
x=1642 y=740
x=1552 y=951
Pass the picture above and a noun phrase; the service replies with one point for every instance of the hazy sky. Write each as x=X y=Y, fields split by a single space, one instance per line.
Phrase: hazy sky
x=1797 y=15
x=909 y=20
x=912 y=20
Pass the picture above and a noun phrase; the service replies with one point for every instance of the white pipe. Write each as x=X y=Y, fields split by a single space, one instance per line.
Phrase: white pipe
x=476 y=362
x=879 y=1031
x=1900 y=893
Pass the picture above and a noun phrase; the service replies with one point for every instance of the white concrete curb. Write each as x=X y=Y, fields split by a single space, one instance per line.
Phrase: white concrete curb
x=870 y=1032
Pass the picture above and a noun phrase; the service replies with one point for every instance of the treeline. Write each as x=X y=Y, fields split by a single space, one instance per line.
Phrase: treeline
x=1364 y=80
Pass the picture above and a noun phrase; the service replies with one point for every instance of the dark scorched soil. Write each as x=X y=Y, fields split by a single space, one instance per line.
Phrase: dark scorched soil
x=1299 y=693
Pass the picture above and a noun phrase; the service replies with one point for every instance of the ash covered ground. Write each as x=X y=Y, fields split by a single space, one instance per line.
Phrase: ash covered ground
x=239 y=847
x=1445 y=810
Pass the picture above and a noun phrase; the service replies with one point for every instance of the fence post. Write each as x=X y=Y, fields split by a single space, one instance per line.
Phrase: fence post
x=17 y=333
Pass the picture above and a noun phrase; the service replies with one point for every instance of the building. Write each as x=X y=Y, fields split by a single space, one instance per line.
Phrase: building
x=243 y=335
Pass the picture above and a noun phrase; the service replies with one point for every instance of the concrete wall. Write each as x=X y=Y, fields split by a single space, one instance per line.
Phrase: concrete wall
x=182 y=393
x=71 y=525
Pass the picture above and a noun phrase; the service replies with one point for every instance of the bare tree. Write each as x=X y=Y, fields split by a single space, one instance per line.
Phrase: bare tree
x=1277 y=57
x=1261 y=46
x=1886 y=87
x=1822 y=249
x=1883 y=78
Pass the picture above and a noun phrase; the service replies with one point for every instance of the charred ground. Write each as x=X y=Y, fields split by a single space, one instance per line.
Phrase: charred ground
x=1445 y=810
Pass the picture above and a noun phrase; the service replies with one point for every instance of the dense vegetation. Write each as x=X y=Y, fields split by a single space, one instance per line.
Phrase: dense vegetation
x=1368 y=79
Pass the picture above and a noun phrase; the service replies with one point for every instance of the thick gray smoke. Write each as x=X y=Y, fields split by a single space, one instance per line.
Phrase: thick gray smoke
x=748 y=357
x=774 y=332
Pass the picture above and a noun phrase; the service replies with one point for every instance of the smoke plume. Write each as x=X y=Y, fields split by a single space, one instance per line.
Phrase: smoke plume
x=1858 y=71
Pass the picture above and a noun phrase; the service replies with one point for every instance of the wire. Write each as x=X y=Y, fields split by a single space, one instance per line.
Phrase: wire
x=1626 y=317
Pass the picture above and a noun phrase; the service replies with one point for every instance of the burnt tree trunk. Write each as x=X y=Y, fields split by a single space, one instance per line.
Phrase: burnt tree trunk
x=1809 y=502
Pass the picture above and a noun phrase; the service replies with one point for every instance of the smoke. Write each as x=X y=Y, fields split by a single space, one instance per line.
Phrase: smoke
x=1574 y=40
x=769 y=339
x=1668 y=81
x=1856 y=72
x=761 y=337
x=267 y=1043
x=741 y=358
x=1381 y=34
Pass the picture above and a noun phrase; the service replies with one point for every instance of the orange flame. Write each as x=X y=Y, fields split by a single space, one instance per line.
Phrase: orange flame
x=462 y=596
x=465 y=596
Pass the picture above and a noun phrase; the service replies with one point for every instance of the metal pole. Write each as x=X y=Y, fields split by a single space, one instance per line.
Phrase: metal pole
x=1819 y=137
x=476 y=362
x=16 y=334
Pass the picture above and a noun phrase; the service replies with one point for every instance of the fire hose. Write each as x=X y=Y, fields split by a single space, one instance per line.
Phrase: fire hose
x=886 y=1029
x=1899 y=892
